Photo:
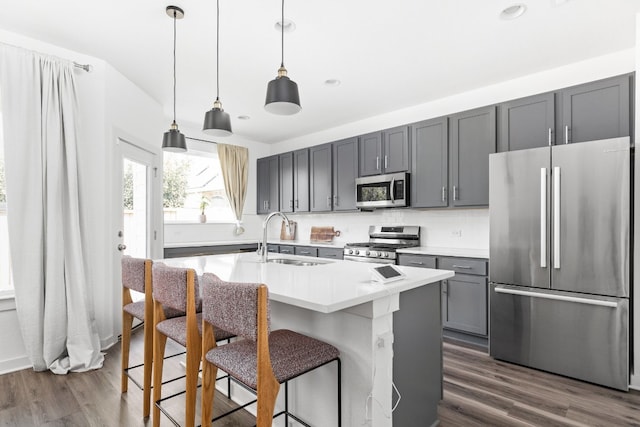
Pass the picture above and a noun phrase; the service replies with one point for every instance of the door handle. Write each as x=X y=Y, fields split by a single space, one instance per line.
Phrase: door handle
x=556 y=217
x=566 y=134
x=328 y=201
x=444 y=194
x=377 y=163
x=462 y=267
x=122 y=247
x=445 y=287
x=556 y=297
x=550 y=132
x=543 y=217
x=386 y=161
x=335 y=200
x=455 y=193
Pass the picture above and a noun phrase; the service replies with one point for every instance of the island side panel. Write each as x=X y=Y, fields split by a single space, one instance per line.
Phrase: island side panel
x=366 y=363
x=417 y=356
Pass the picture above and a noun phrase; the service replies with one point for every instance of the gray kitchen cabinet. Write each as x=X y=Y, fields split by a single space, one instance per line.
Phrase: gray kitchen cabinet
x=464 y=296
x=387 y=151
x=472 y=139
x=597 y=110
x=527 y=123
x=345 y=172
x=286 y=249
x=301 y=180
x=267 y=183
x=429 y=157
x=333 y=253
x=273 y=248
x=417 y=260
x=320 y=162
x=306 y=251
x=286 y=182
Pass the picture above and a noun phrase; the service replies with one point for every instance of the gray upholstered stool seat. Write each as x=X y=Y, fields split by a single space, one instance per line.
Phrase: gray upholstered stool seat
x=136 y=309
x=292 y=354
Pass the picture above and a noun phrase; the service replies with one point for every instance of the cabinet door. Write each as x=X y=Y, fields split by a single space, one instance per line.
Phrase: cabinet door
x=335 y=253
x=464 y=303
x=320 y=162
x=345 y=171
x=301 y=180
x=597 y=110
x=274 y=187
x=430 y=168
x=262 y=185
x=286 y=182
x=473 y=138
x=370 y=153
x=306 y=251
x=527 y=123
x=396 y=151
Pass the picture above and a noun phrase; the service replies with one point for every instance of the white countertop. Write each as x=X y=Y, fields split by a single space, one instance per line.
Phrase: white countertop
x=456 y=252
x=254 y=241
x=327 y=287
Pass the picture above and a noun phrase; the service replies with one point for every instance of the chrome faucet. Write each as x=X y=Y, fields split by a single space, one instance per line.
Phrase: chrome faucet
x=262 y=250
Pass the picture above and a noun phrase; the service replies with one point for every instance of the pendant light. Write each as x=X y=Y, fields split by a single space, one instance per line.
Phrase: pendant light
x=282 y=92
x=216 y=121
x=173 y=140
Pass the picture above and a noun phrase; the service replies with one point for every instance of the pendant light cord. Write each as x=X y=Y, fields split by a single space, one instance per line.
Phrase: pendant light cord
x=217 y=50
x=282 y=41
x=174 y=65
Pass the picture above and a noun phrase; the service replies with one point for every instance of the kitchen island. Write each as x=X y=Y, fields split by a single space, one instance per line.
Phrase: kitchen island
x=337 y=301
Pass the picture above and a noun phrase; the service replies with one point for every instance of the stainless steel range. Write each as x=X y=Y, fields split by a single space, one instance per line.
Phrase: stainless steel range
x=383 y=243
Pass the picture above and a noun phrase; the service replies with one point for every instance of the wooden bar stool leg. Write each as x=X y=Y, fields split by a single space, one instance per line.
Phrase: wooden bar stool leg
x=127 y=322
x=159 y=344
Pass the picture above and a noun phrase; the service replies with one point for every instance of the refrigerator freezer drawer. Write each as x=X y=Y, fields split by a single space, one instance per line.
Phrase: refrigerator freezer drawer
x=571 y=334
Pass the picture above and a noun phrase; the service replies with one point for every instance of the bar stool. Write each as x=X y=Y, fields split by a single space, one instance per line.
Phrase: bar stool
x=136 y=275
x=262 y=360
x=177 y=289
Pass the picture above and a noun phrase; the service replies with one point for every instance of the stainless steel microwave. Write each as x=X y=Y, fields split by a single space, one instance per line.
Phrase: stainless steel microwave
x=383 y=191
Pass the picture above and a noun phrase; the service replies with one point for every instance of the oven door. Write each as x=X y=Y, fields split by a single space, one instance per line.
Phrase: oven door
x=371 y=260
x=383 y=191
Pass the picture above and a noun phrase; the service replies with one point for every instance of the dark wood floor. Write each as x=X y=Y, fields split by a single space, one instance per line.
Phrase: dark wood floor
x=478 y=391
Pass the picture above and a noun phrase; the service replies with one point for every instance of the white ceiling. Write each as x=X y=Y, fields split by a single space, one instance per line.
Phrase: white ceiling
x=388 y=54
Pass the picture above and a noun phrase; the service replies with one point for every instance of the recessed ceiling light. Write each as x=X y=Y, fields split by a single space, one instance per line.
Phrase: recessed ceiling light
x=332 y=82
x=289 y=26
x=244 y=117
x=513 y=12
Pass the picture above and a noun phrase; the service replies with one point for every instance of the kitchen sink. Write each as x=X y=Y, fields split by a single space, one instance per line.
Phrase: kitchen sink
x=298 y=262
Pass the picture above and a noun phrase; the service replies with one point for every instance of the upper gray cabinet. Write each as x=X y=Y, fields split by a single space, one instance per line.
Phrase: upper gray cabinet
x=472 y=139
x=268 y=185
x=527 y=123
x=387 y=151
x=301 y=180
x=596 y=110
x=286 y=182
x=429 y=157
x=320 y=197
x=345 y=171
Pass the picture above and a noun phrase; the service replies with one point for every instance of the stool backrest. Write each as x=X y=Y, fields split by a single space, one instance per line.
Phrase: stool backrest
x=170 y=286
x=231 y=306
x=133 y=273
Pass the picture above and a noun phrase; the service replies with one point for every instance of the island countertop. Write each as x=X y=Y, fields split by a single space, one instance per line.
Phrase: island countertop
x=327 y=287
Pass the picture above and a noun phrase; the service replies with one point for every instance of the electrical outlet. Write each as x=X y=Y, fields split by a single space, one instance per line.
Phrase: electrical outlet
x=456 y=233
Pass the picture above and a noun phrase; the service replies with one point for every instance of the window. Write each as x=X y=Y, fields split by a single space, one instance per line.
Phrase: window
x=6 y=282
x=193 y=184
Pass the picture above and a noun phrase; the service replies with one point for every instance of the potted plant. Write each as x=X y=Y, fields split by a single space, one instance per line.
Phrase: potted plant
x=203 y=205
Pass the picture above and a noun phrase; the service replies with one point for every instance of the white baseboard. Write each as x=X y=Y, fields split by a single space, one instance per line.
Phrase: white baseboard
x=13 y=365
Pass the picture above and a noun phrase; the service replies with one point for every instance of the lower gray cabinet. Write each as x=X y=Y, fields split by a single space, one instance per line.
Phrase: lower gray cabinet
x=306 y=251
x=411 y=260
x=287 y=249
x=464 y=303
x=333 y=253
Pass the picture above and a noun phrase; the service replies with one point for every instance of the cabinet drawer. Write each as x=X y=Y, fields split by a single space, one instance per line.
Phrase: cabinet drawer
x=273 y=248
x=287 y=249
x=463 y=265
x=424 y=261
x=333 y=253
x=305 y=250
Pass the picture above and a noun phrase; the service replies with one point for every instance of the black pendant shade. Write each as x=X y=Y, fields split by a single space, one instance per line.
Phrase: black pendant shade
x=217 y=122
x=173 y=140
x=282 y=96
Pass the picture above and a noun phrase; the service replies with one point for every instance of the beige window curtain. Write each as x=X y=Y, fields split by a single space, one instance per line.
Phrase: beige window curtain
x=234 y=162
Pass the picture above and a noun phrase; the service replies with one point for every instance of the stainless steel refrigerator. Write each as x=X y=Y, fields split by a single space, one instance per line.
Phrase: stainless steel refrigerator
x=560 y=239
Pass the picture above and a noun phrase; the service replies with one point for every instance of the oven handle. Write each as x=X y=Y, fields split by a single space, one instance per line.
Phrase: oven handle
x=393 y=196
x=370 y=260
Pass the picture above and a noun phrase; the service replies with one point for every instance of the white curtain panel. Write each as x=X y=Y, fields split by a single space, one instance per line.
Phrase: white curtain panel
x=234 y=163
x=39 y=109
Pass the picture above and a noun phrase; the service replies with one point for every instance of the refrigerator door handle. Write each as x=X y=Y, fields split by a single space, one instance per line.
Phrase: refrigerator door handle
x=556 y=217
x=543 y=217
x=556 y=297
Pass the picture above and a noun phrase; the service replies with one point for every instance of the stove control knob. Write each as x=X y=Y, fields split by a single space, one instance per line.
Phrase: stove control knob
x=350 y=251
x=367 y=253
x=357 y=252
x=383 y=255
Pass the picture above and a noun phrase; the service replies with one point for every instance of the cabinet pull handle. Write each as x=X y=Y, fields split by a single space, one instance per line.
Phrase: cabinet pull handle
x=566 y=134
x=455 y=193
x=297 y=204
x=377 y=163
x=305 y=252
x=550 y=132
x=445 y=287
x=556 y=217
x=543 y=217
x=328 y=201
x=416 y=262
x=335 y=200
x=444 y=194
x=386 y=161
x=291 y=204
x=462 y=267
